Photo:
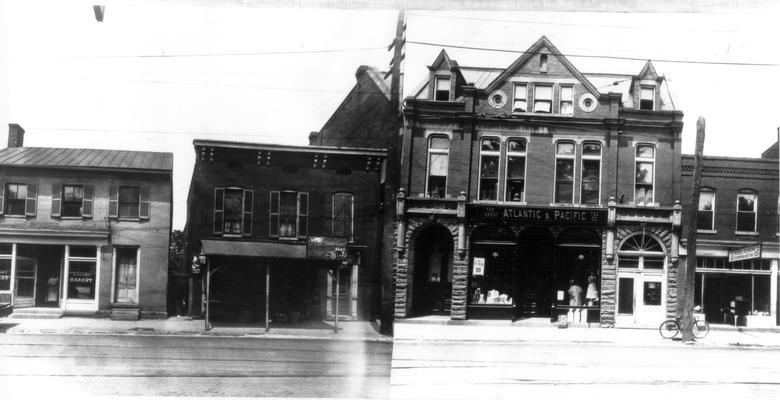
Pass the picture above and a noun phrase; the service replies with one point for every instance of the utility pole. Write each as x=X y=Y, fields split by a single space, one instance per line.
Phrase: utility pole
x=688 y=279
x=392 y=176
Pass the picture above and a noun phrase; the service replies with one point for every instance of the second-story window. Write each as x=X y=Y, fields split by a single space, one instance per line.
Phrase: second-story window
x=705 y=215
x=438 y=163
x=343 y=210
x=645 y=175
x=566 y=104
x=72 y=200
x=515 y=170
x=488 y=168
x=564 y=172
x=233 y=208
x=746 y=211
x=129 y=202
x=18 y=199
x=647 y=98
x=542 y=98
x=442 y=89
x=520 y=103
x=591 y=173
x=289 y=214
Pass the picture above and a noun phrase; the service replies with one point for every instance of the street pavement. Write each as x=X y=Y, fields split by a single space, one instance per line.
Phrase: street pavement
x=55 y=366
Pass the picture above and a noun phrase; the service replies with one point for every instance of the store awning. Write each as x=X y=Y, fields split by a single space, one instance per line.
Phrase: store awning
x=253 y=249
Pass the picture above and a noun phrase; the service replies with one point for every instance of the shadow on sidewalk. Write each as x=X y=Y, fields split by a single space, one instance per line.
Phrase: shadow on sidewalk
x=6 y=327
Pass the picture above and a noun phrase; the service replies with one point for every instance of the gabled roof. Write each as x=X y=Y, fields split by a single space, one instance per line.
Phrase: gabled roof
x=648 y=71
x=96 y=159
x=443 y=58
x=379 y=79
x=528 y=54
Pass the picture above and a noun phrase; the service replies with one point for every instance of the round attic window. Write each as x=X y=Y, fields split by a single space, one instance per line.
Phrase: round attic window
x=588 y=102
x=497 y=99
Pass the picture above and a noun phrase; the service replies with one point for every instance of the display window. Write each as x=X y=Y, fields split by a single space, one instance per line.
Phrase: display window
x=5 y=274
x=491 y=277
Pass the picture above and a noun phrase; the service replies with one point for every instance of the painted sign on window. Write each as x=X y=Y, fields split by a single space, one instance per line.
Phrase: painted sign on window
x=479 y=266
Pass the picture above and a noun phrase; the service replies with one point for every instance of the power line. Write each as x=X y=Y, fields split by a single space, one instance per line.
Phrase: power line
x=235 y=54
x=595 y=56
x=162 y=132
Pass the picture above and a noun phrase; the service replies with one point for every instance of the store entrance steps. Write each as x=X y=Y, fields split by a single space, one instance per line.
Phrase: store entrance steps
x=37 y=312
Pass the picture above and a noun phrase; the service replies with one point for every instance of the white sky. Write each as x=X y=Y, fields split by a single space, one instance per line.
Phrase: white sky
x=73 y=82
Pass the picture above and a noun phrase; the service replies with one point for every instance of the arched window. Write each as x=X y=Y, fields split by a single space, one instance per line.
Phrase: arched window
x=643 y=252
x=564 y=172
x=515 y=170
x=438 y=163
x=490 y=150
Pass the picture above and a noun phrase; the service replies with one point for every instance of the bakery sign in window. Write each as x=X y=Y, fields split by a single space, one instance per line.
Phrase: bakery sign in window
x=5 y=274
x=81 y=280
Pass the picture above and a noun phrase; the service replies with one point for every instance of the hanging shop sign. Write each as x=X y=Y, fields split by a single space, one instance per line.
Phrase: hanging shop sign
x=326 y=248
x=541 y=215
x=745 y=253
x=479 y=266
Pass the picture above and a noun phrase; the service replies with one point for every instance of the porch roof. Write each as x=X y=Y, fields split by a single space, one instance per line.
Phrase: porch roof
x=239 y=248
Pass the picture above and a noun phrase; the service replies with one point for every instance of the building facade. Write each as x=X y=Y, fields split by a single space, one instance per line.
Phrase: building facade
x=538 y=191
x=285 y=234
x=84 y=231
x=737 y=239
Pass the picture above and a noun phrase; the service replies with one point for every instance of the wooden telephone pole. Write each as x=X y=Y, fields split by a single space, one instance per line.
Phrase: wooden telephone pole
x=687 y=280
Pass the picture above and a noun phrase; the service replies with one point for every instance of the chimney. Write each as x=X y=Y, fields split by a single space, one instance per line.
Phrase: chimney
x=15 y=136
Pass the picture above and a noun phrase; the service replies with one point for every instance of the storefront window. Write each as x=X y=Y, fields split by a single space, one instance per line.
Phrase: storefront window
x=488 y=171
x=81 y=280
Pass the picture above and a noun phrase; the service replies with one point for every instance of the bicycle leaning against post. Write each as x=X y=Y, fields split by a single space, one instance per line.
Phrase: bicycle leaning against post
x=670 y=328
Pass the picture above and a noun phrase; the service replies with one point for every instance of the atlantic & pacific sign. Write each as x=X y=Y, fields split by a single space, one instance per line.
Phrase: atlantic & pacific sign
x=540 y=215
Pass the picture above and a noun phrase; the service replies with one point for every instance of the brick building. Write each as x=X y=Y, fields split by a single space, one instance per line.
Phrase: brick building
x=519 y=183
x=283 y=234
x=738 y=209
x=84 y=231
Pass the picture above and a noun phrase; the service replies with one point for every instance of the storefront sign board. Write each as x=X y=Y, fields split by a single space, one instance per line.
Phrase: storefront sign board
x=541 y=215
x=745 y=253
x=326 y=248
x=479 y=266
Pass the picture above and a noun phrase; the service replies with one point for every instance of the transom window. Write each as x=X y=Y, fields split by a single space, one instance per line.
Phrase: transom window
x=543 y=98
x=591 y=173
x=645 y=175
x=488 y=168
x=566 y=102
x=442 y=90
x=515 y=170
x=706 y=212
x=289 y=214
x=438 y=163
x=643 y=252
x=564 y=172
x=520 y=103
x=746 y=211
x=647 y=98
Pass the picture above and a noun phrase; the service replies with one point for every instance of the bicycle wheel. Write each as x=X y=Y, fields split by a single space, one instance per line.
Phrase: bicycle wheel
x=669 y=329
x=700 y=329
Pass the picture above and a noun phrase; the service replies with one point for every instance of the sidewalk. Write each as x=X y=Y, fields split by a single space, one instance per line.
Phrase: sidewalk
x=348 y=330
x=433 y=329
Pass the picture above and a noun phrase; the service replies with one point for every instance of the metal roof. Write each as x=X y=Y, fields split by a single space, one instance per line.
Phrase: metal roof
x=51 y=157
x=253 y=249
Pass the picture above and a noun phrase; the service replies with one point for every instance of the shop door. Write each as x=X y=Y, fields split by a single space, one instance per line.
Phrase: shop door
x=126 y=265
x=26 y=273
x=641 y=288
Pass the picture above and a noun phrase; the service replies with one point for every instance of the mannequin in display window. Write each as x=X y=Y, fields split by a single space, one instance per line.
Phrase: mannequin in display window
x=575 y=293
x=592 y=294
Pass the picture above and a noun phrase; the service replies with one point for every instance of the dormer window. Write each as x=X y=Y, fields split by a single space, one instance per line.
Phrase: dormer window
x=442 y=88
x=647 y=98
x=521 y=98
x=542 y=99
x=543 y=63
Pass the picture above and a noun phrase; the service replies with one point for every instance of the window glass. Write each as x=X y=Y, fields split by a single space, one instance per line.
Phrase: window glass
x=5 y=274
x=491 y=144
x=706 y=210
x=442 y=88
x=520 y=103
x=15 y=198
x=629 y=261
x=653 y=293
x=591 y=170
x=564 y=173
x=81 y=280
x=644 y=179
x=129 y=200
x=591 y=149
x=644 y=151
x=626 y=296
x=288 y=205
x=746 y=212
x=567 y=107
x=234 y=215
x=515 y=170
x=542 y=99
x=647 y=98
x=82 y=251
x=761 y=293
x=565 y=148
x=488 y=171
x=516 y=145
x=342 y=215
x=72 y=200
x=438 y=163
x=6 y=248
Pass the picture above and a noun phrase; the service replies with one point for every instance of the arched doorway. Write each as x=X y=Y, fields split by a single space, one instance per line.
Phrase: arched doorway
x=537 y=274
x=432 y=271
x=641 y=285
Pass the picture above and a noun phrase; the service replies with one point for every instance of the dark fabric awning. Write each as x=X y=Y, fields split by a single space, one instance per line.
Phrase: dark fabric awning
x=253 y=249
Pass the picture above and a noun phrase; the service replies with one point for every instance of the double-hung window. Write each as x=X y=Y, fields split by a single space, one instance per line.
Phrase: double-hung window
x=343 y=211
x=591 y=173
x=289 y=214
x=647 y=98
x=566 y=106
x=543 y=98
x=747 y=205
x=515 y=170
x=18 y=199
x=490 y=151
x=520 y=103
x=129 y=202
x=564 y=172
x=705 y=215
x=442 y=89
x=645 y=175
x=233 y=208
x=438 y=163
x=74 y=201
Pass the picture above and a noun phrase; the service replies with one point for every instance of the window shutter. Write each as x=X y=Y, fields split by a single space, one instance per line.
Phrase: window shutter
x=273 y=215
x=145 y=204
x=32 y=200
x=56 y=200
x=2 y=197
x=113 y=201
x=303 y=214
x=249 y=196
x=86 y=203
x=219 y=210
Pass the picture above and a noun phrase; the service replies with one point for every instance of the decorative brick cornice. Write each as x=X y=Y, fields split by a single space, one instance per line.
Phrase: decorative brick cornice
x=733 y=170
